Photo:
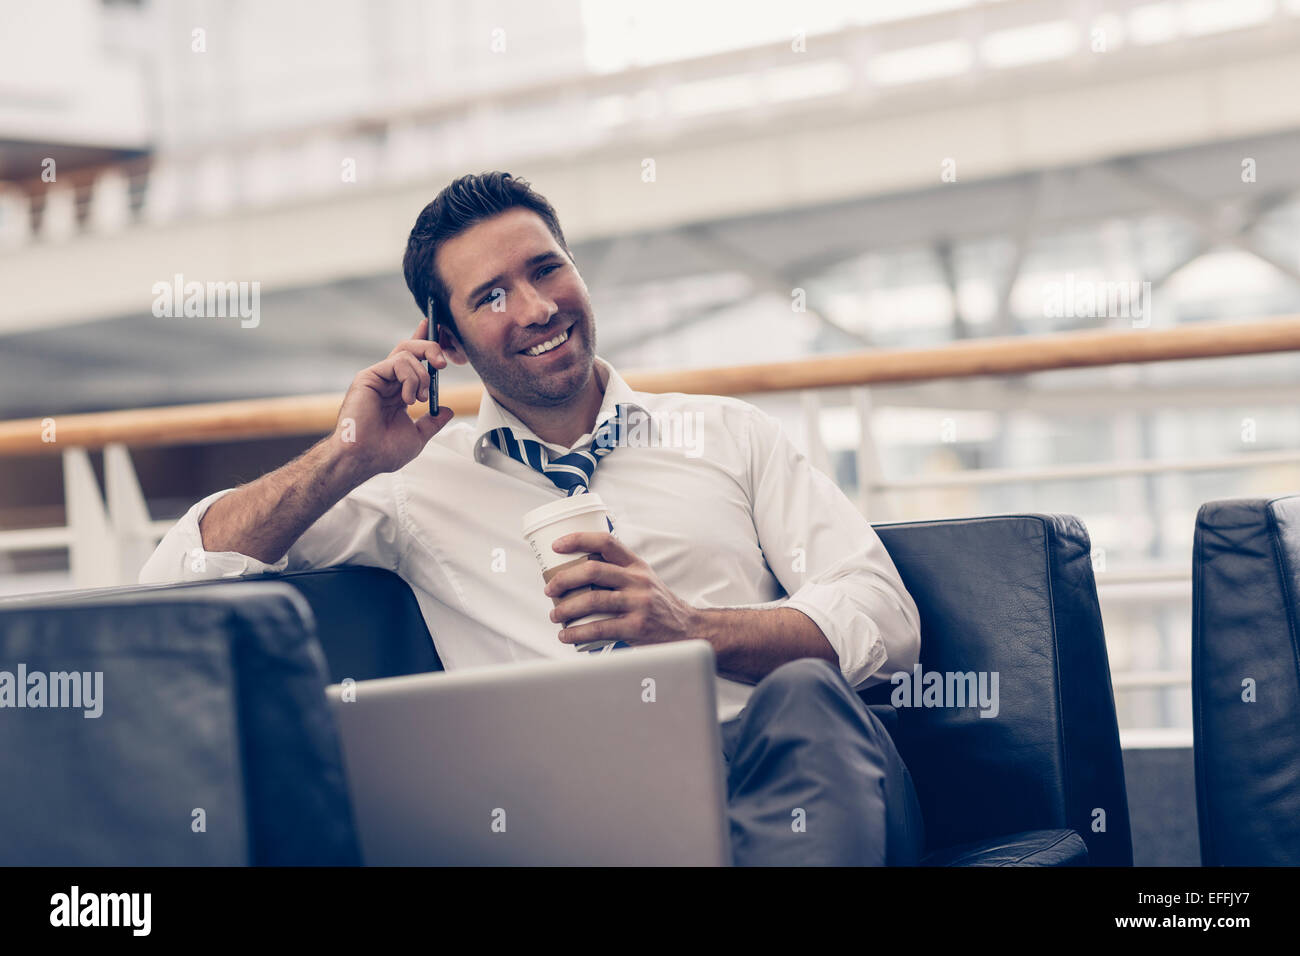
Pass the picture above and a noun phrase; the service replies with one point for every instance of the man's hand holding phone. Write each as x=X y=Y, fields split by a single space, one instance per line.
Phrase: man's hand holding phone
x=374 y=419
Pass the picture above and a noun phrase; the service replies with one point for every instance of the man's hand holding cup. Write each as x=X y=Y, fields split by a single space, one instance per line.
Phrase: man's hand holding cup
x=602 y=592
x=640 y=607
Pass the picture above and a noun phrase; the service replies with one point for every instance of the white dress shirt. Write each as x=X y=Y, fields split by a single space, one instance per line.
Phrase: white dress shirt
x=722 y=506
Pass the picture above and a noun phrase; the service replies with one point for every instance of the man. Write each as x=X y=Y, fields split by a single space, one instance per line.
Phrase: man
x=735 y=539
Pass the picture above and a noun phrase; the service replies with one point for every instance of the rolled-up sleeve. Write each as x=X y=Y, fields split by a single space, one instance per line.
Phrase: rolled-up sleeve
x=361 y=528
x=830 y=560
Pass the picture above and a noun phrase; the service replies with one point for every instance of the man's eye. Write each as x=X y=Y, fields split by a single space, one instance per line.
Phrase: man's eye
x=544 y=270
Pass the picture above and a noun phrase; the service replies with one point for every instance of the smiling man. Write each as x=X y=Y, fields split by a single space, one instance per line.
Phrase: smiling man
x=745 y=546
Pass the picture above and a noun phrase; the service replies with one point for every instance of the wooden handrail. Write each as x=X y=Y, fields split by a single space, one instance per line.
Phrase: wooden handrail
x=316 y=414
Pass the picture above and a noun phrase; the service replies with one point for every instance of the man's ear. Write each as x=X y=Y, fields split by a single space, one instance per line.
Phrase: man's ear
x=450 y=345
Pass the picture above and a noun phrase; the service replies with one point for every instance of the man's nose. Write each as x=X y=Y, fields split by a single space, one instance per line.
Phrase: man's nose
x=533 y=308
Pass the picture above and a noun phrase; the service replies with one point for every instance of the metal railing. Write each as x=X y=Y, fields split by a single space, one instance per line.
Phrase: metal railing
x=110 y=535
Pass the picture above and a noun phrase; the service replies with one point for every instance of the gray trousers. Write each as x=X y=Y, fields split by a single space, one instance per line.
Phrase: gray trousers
x=813 y=777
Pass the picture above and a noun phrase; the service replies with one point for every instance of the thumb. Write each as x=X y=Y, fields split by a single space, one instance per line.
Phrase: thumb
x=429 y=425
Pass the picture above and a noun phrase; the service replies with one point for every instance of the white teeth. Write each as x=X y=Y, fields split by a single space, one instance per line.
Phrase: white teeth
x=547 y=346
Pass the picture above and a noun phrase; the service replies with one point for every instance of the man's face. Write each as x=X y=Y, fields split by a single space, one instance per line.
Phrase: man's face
x=511 y=261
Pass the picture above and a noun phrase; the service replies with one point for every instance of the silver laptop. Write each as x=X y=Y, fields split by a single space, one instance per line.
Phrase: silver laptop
x=606 y=760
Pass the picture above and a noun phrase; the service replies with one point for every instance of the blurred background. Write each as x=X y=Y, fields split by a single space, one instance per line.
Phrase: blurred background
x=739 y=182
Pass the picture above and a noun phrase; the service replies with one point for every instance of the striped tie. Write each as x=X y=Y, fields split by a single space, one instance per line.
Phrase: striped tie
x=571 y=473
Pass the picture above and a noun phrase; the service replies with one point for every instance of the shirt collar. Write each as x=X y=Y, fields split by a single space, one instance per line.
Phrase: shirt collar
x=492 y=415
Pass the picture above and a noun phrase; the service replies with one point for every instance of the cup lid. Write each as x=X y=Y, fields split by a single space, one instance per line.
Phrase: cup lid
x=564 y=508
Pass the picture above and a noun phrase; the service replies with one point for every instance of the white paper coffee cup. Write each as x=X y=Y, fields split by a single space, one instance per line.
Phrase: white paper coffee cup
x=585 y=512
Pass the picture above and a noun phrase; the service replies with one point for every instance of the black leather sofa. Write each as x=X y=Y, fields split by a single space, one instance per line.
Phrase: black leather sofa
x=1040 y=783
x=1246 y=680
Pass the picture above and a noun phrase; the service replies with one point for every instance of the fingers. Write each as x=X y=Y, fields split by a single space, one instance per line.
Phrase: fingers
x=600 y=573
x=421 y=349
x=591 y=602
x=612 y=628
x=413 y=376
x=596 y=542
x=400 y=373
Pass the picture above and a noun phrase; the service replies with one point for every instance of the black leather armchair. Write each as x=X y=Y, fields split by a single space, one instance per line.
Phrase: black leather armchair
x=1008 y=594
x=1015 y=595
x=212 y=745
x=1246 y=680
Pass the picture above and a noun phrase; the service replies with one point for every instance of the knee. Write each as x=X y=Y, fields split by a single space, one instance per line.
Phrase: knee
x=809 y=671
x=808 y=679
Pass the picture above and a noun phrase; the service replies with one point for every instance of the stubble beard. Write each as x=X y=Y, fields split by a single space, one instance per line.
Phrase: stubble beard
x=512 y=380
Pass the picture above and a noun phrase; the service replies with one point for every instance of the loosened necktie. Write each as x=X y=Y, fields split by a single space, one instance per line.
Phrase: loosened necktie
x=570 y=473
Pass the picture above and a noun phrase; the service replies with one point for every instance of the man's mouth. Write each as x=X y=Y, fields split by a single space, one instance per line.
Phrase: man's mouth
x=548 y=346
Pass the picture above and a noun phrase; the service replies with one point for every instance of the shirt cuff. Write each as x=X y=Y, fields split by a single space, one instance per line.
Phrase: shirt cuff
x=180 y=555
x=852 y=634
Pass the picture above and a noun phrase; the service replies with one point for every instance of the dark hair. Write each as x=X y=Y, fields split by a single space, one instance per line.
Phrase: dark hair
x=461 y=204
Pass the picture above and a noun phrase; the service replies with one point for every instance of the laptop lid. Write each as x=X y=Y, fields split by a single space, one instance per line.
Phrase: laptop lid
x=608 y=759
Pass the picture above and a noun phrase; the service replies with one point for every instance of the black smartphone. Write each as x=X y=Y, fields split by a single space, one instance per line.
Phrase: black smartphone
x=433 y=371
